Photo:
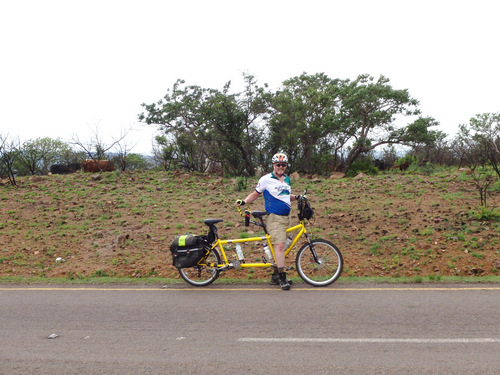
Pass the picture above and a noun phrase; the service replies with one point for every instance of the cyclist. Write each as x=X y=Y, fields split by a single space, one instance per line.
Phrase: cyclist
x=276 y=188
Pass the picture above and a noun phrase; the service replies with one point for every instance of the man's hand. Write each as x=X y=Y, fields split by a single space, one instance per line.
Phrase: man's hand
x=240 y=202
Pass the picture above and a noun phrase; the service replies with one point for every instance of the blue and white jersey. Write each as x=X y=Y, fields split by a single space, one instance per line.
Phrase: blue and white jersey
x=276 y=193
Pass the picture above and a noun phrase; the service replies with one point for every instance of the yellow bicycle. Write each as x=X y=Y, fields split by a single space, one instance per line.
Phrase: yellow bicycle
x=319 y=262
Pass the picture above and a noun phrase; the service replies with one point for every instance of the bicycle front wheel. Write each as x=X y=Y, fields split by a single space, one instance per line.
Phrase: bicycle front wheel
x=323 y=269
x=203 y=274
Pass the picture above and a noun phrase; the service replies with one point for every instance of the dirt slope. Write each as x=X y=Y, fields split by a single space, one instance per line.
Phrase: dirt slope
x=116 y=224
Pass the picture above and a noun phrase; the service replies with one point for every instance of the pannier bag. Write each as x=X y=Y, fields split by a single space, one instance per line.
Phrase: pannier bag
x=305 y=210
x=187 y=250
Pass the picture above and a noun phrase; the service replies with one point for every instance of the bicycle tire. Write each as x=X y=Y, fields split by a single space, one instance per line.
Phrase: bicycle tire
x=202 y=275
x=330 y=265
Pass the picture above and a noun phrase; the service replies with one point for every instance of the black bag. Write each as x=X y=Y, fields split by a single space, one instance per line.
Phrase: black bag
x=187 y=250
x=305 y=210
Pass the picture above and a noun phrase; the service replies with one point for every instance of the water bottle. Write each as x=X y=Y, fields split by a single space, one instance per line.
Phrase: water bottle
x=267 y=251
x=289 y=240
x=239 y=252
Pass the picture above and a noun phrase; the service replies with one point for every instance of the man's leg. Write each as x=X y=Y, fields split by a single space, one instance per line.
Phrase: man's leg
x=276 y=226
x=279 y=252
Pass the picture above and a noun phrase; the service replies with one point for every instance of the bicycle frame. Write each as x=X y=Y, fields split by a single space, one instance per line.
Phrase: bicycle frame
x=319 y=262
x=227 y=262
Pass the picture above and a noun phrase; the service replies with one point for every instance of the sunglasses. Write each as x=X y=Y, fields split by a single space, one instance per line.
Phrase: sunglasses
x=280 y=165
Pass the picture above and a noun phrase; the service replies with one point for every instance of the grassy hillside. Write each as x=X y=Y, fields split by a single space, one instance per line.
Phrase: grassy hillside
x=121 y=224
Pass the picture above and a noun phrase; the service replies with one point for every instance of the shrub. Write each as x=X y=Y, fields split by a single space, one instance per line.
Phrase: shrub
x=364 y=166
x=485 y=214
x=241 y=184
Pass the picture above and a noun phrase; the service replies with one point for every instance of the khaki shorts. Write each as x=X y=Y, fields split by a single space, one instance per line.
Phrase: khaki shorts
x=276 y=227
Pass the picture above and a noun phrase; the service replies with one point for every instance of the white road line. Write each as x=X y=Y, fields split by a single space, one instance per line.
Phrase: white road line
x=370 y=340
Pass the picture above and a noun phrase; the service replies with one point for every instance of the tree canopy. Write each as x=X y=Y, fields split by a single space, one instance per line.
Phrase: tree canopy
x=206 y=126
x=323 y=124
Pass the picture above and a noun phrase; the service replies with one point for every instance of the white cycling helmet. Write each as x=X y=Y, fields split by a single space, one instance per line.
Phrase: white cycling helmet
x=279 y=158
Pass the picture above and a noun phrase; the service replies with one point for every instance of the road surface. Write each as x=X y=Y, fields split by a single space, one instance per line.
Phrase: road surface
x=257 y=329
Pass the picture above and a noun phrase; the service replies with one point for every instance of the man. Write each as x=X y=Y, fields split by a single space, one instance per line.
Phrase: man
x=275 y=187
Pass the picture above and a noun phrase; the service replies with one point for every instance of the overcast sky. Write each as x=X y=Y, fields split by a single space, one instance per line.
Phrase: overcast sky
x=70 y=67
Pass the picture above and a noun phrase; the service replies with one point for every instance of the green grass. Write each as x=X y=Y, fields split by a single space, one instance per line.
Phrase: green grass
x=227 y=280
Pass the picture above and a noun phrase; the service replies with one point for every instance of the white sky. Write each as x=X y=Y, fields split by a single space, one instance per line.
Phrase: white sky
x=68 y=67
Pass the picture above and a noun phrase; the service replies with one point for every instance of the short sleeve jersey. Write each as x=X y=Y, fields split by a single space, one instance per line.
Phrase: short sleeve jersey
x=276 y=194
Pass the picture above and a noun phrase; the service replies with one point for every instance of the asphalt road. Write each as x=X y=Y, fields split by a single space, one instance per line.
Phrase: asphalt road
x=342 y=329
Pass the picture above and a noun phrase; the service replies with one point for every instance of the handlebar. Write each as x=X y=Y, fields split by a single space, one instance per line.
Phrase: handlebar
x=303 y=196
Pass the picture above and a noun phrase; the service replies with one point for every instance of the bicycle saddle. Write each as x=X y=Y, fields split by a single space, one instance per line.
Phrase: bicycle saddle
x=258 y=214
x=210 y=222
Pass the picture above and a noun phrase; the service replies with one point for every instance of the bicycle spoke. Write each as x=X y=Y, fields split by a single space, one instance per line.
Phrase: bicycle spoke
x=203 y=274
x=323 y=270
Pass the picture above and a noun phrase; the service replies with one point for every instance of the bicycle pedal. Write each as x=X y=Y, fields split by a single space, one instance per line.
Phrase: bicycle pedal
x=289 y=268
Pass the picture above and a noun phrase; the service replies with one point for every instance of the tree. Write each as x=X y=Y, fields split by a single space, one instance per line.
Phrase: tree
x=123 y=158
x=96 y=148
x=179 y=115
x=37 y=155
x=132 y=162
x=369 y=111
x=238 y=123
x=305 y=122
x=439 y=152
x=478 y=145
x=479 y=141
x=321 y=123
x=165 y=153
x=209 y=125
x=484 y=137
x=9 y=153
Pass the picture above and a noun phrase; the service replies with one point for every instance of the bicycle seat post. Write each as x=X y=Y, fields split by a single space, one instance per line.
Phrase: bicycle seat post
x=212 y=234
x=260 y=215
x=263 y=224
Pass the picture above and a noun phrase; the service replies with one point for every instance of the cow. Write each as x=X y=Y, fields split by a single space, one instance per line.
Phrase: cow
x=94 y=166
x=381 y=164
x=402 y=167
x=65 y=168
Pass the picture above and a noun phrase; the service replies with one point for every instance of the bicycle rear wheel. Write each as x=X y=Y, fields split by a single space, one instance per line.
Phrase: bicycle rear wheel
x=326 y=269
x=203 y=274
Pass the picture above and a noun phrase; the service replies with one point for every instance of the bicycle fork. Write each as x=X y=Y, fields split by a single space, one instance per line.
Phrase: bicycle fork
x=313 y=251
